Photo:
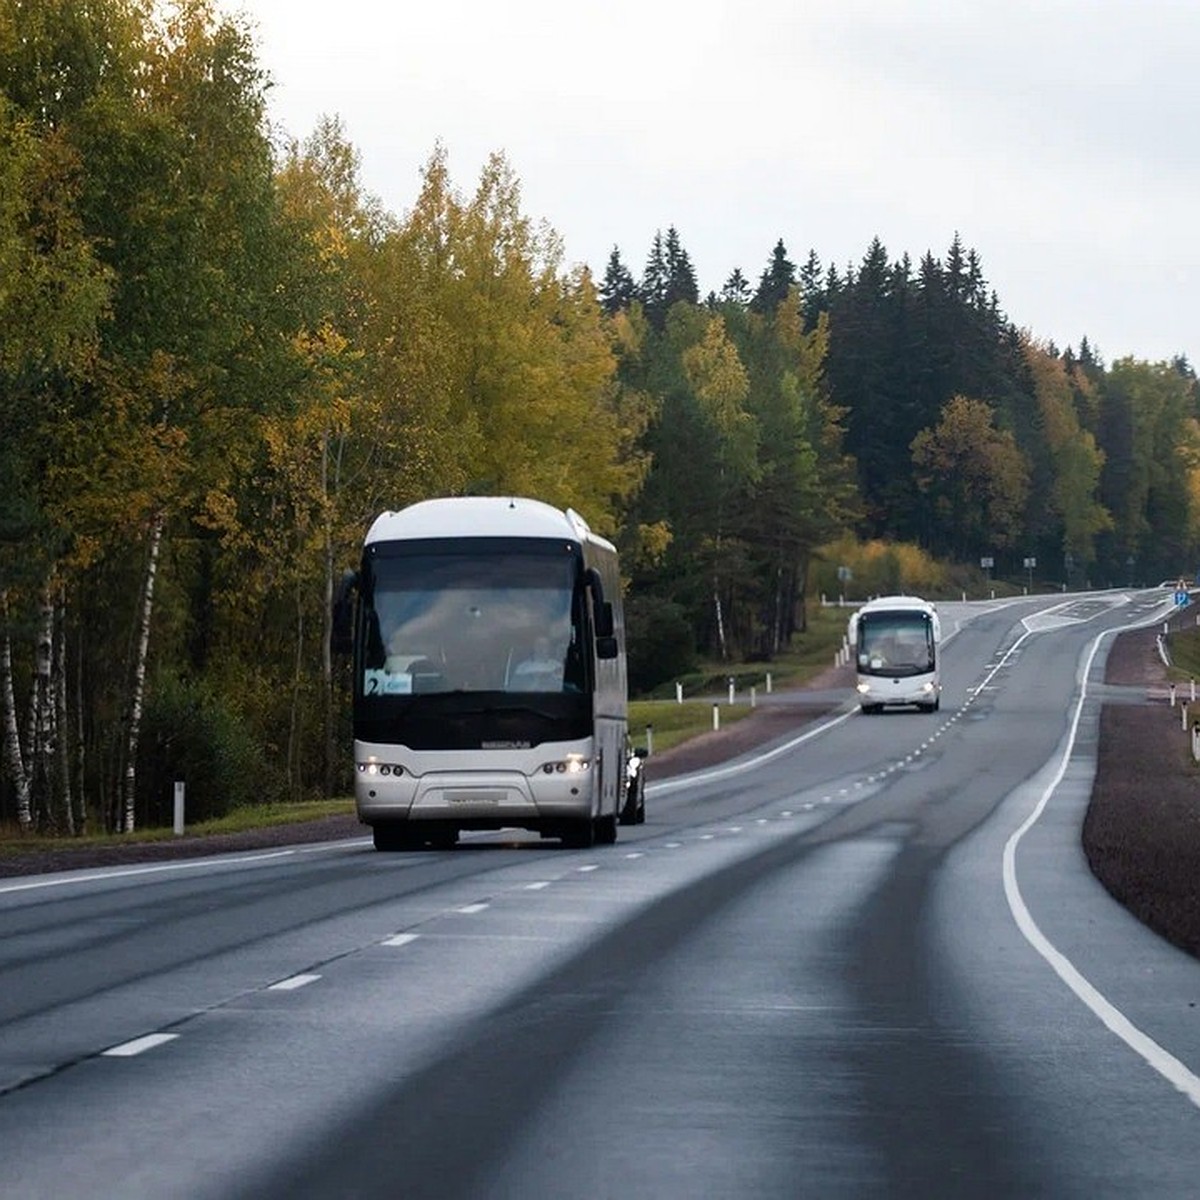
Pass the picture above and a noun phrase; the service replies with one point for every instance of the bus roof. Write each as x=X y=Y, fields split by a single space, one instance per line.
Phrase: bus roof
x=481 y=516
x=912 y=602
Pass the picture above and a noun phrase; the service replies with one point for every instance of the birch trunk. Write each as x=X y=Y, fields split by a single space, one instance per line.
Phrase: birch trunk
x=327 y=626
x=81 y=820
x=136 y=700
x=12 y=735
x=42 y=717
x=294 y=773
x=66 y=804
x=720 y=616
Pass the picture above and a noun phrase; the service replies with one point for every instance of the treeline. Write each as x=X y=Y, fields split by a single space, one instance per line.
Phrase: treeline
x=899 y=403
x=220 y=358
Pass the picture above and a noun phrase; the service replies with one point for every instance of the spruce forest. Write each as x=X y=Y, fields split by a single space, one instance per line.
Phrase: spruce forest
x=220 y=358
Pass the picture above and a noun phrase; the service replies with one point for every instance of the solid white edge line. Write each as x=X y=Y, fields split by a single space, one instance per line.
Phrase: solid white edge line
x=138 y=1045
x=700 y=777
x=190 y=864
x=1161 y=1060
x=125 y=873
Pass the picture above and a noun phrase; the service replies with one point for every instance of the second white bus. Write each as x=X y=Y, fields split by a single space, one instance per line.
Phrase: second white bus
x=894 y=641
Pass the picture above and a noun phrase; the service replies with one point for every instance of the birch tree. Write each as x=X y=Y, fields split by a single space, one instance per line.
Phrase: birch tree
x=162 y=110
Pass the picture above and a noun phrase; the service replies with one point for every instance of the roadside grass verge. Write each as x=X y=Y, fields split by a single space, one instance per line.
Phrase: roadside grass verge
x=675 y=723
x=1185 y=655
x=258 y=816
x=810 y=653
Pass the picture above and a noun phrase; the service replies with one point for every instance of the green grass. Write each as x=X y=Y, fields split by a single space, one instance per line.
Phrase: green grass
x=810 y=653
x=675 y=723
x=1185 y=655
x=12 y=841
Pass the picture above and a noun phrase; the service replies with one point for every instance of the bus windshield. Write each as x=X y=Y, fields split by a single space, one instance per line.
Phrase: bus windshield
x=895 y=643
x=508 y=621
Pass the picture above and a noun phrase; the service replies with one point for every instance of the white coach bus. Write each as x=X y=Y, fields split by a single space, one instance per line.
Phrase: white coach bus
x=894 y=640
x=488 y=645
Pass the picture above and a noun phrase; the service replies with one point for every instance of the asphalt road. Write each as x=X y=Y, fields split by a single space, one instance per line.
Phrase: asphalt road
x=872 y=962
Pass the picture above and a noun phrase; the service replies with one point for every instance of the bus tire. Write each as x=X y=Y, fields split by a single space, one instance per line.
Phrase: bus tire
x=605 y=831
x=393 y=836
x=579 y=835
x=444 y=838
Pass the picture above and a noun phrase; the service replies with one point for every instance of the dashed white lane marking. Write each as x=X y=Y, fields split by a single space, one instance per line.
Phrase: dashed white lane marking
x=1161 y=1060
x=471 y=908
x=635 y=854
x=139 y=1045
x=290 y=985
x=537 y=887
x=588 y=867
x=707 y=837
x=401 y=939
x=674 y=845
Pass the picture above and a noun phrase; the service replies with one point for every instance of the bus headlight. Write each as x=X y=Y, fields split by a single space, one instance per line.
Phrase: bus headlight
x=378 y=768
x=864 y=688
x=574 y=764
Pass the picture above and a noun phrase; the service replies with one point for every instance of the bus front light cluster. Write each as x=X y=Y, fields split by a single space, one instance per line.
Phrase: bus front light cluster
x=574 y=765
x=377 y=768
x=864 y=688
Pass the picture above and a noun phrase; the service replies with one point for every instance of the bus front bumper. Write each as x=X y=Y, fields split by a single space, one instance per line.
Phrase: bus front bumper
x=882 y=691
x=481 y=799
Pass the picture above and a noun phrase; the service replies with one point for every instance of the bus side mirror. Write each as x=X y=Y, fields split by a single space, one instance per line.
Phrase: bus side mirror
x=602 y=609
x=606 y=647
x=341 y=636
x=604 y=622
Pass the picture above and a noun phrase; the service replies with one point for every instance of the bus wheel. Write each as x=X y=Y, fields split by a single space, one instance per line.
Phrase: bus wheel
x=606 y=830
x=445 y=838
x=393 y=836
x=579 y=835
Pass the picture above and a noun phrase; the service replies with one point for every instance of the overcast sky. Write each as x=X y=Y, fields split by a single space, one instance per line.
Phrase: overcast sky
x=1059 y=138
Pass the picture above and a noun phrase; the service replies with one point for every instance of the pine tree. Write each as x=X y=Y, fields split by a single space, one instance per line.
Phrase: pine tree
x=813 y=297
x=736 y=289
x=681 y=277
x=775 y=282
x=653 y=289
x=618 y=289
